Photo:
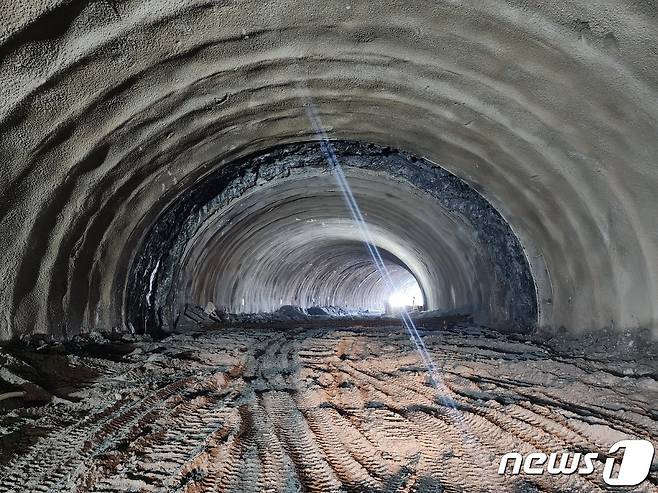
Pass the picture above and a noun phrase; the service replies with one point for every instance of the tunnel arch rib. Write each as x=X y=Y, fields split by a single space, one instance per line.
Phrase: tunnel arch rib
x=112 y=110
x=426 y=220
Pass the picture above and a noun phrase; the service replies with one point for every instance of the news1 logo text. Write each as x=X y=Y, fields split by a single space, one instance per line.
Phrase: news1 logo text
x=630 y=471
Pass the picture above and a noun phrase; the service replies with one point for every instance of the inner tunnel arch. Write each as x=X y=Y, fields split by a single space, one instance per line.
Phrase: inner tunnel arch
x=273 y=229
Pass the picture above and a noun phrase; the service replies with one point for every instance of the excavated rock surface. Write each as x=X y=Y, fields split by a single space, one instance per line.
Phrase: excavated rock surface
x=111 y=110
x=285 y=212
x=315 y=410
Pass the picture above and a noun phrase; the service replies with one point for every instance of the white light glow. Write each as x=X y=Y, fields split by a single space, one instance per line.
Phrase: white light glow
x=408 y=296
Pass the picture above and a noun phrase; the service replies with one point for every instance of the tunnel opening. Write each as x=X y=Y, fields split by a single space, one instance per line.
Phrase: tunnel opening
x=408 y=295
x=272 y=229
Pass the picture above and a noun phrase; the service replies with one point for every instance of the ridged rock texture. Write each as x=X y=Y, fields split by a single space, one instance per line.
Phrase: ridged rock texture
x=318 y=410
x=280 y=233
x=111 y=110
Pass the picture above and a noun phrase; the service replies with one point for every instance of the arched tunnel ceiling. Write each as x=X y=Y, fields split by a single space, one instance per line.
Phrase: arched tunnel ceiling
x=297 y=239
x=275 y=228
x=112 y=109
x=297 y=243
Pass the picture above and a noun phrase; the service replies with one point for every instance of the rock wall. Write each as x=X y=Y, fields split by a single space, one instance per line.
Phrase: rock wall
x=111 y=110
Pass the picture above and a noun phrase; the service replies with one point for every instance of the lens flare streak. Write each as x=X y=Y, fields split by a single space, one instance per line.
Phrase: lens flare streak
x=434 y=377
x=332 y=159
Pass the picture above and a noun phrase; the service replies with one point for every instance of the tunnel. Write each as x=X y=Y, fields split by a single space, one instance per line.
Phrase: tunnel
x=103 y=137
x=325 y=246
x=274 y=229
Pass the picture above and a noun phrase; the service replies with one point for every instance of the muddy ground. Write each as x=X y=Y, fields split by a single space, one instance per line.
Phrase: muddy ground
x=314 y=410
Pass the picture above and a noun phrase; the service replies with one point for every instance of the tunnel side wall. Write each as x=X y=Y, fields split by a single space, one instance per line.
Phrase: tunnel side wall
x=110 y=110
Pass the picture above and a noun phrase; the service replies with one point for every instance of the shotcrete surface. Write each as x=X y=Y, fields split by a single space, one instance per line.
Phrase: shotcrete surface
x=110 y=110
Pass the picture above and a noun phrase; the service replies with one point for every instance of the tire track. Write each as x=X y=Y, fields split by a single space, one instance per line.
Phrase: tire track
x=316 y=410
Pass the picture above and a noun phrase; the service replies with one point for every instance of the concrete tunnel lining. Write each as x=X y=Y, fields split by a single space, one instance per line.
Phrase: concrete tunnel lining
x=272 y=230
x=259 y=234
x=549 y=111
x=157 y=154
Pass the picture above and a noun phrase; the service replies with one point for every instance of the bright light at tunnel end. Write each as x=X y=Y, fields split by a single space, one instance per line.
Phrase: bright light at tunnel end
x=408 y=296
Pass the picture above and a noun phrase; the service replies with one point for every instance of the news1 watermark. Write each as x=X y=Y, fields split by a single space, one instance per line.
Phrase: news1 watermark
x=631 y=470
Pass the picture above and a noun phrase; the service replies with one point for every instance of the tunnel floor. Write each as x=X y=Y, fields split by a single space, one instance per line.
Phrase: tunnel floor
x=313 y=410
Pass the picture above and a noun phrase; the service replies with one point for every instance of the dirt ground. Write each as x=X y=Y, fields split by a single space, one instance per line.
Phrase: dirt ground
x=316 y=410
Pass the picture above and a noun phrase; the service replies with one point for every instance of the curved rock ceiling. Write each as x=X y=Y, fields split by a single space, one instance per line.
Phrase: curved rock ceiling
x=275 y=229
x=295 y=244
x=112 y=110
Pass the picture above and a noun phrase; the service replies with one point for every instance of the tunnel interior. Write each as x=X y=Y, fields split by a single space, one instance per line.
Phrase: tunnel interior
x=112 y=117
x=188 y=301
x=276 y=230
